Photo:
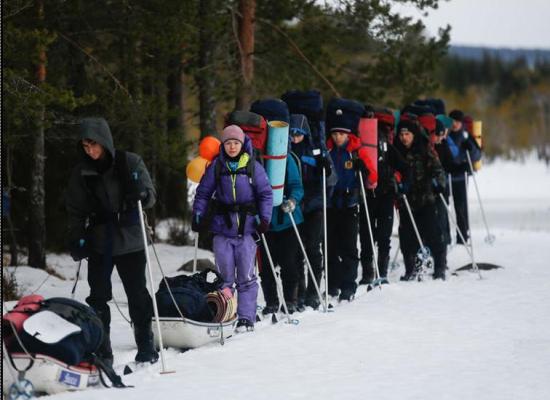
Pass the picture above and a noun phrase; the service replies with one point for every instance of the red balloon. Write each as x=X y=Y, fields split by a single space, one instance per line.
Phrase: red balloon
x=209 y=148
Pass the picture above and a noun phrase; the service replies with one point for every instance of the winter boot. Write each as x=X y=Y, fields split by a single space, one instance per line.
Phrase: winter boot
x=291 y=298
x=440 y=264
x=368 y=272
x=146 y=351
x=105 y=352
x=313 y=302
x=409 y=267
x=270 y=309
x=383 y=262
x=244 y=325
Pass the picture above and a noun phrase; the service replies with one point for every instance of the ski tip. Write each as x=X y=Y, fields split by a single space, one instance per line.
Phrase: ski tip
x=127 y=370
x=274 y=319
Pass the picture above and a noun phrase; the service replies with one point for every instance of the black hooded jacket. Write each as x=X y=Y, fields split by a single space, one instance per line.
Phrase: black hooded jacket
x=95 y=195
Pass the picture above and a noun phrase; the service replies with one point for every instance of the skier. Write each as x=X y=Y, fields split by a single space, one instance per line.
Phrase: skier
x=302 y=145
x=349 y=159
x=242 y=205
x=103 y=226
x=465 y=144
x=381 y=201
x=424 y=182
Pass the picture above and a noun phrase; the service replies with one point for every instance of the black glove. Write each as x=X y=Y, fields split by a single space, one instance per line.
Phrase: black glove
x=437 y=188
x=323 y=163
x=198 y=223
x=79 y=249
x=263 y=226
x=402 y=187
x=360 y=166
x=136 y=192
x=289 y=205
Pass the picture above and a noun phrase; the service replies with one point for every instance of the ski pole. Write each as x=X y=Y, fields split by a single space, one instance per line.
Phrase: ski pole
x=466 y=181
x=455 y=226
x=423 y=249
x=196 y=251
x=371 y=237
x=394 y=264
x=76 y=279
x=451 y=201
x=489 y=238
x=325 y=255
x=151 y=281
x=306 y=258
x=278 y=282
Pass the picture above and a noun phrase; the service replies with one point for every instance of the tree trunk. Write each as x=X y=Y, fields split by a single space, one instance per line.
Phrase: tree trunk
x=247 y=22
x=206 y=77
x=37 y=218
x=13 y=241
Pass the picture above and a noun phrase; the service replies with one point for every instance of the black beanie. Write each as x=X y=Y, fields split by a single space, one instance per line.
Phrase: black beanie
x=457 y=115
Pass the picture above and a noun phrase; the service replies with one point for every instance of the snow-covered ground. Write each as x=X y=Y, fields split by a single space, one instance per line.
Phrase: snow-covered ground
x=465 y=338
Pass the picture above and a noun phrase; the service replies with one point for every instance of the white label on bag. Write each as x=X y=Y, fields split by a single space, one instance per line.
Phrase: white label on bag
x=48 y=327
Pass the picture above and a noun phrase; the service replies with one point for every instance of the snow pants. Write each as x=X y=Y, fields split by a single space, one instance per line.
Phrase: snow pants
x=312 y=236
x=381 y=217
x=343 y=257
x=235 y=262
x=285 y=251
x=460 y=199
x=131 y=269
x=431 y=223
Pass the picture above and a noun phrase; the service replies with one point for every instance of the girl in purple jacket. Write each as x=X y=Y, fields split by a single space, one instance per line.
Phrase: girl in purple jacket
x=242 y=203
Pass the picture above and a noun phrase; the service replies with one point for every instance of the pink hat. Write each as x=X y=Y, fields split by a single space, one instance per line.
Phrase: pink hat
x=232 y=132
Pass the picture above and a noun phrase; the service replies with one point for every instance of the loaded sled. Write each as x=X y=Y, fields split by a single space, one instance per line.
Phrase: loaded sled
x=49 y=375
x=194 y=310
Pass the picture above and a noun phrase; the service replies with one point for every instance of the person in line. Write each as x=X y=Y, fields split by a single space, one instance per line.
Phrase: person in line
x=465 y=145
x=313 y=161
x=349 y=159
x=380 y=201
x=242 y=201
x=425 y=181
x=104 y=227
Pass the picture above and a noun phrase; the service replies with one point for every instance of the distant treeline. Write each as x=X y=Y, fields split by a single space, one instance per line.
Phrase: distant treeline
x=512 y=98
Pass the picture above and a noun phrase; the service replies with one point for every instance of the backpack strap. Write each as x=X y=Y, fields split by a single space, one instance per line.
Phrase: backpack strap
x=109 y=372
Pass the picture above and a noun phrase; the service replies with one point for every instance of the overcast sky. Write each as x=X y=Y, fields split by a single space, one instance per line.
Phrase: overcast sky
x=494 y=23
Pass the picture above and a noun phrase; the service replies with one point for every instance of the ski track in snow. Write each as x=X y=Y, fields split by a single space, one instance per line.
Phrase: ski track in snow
x=465 y=338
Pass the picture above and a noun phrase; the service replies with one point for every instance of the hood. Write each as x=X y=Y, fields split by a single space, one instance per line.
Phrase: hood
x=247 y=148
x=96 y=129
x=354 y=143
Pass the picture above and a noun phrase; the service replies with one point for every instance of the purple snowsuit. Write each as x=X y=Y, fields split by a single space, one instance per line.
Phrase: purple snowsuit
x=234 y=247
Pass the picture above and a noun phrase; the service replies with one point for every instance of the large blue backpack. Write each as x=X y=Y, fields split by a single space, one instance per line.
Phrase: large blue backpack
x=310 y=104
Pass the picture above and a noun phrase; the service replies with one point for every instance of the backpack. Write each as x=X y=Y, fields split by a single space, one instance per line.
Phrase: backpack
x=271 y=109
x=72 y=349
x=252 y=124
x=344 y=113
x=310 y=104
x=437 y=105
x=190 y=294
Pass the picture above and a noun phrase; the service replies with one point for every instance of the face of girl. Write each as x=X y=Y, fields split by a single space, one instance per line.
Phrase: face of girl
x=93 y=149
x=232 y=147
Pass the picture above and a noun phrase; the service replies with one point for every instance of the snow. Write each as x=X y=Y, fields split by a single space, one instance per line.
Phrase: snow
x=466 y=338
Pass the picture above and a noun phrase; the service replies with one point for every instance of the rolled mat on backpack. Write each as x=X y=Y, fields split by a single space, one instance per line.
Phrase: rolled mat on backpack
x=368 y=133
x=477 y=132
x=276 y=152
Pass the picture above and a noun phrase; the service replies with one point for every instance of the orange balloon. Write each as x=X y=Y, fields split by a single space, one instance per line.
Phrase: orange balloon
x=195 y=169
x=209 y=148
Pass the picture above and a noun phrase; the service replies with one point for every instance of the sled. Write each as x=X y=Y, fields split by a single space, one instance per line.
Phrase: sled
x=49 y=375
x=189 y=334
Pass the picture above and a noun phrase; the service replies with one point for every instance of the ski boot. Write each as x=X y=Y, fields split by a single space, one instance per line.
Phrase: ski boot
x=346 y=296
x=244 y=325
